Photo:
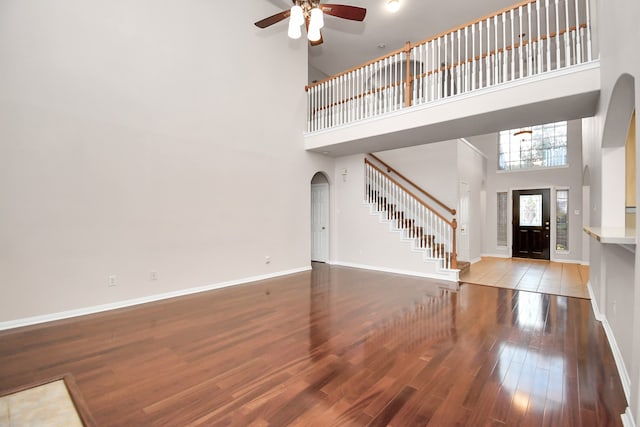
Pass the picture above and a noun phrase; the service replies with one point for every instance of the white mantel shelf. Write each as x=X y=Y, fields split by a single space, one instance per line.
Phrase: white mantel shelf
x=613 y=235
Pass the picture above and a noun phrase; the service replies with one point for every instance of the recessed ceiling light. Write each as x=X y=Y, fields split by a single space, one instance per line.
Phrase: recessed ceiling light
x=382 y=46
x=393 y=5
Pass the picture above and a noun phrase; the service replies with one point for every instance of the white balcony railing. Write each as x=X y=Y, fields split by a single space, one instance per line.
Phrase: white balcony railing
x=527 y=39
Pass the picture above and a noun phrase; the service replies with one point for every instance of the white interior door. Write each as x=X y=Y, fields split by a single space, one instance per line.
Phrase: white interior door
x=463 y=218
x=320 y=222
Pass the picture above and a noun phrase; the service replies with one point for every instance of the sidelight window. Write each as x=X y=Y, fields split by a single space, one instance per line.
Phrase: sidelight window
x=502 y=219
x=562 y=220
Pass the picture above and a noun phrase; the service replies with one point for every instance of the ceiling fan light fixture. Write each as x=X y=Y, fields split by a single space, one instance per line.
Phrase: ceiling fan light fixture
x=314 y=34
x=317 y=19
x=393 y=5
x=294 y=30
x=297 y=15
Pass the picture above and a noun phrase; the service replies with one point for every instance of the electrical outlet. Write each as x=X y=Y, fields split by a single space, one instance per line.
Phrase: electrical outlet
x=153 y=275
x=112 y=280
x=267 y=259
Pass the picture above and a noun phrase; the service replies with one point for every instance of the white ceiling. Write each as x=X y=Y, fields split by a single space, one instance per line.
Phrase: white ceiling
x=348 y=43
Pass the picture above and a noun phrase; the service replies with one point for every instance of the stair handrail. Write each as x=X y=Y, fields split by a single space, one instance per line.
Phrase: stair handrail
x=453 y=223
x=413 y=184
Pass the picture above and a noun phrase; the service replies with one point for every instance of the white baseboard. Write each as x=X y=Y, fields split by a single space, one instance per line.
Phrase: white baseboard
x=475 y=260
x=28 y=321
x=627 y=418
x=617 y=356
x=397 y=271
x=495 y=256
x=625 y=379
x=567 y=261
x=594 y=303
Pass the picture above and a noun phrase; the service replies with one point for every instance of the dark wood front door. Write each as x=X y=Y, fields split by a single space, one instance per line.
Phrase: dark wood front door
x=531 y=222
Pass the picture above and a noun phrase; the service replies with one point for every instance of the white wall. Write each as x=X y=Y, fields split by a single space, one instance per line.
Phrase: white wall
x=438 y=168
x=566 y=177
x=142 y=136
x=472 y=170
x=431 y=166
x=612 y=274
x=361 y=238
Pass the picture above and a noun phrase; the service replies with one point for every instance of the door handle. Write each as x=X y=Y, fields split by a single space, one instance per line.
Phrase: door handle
x=323 y=228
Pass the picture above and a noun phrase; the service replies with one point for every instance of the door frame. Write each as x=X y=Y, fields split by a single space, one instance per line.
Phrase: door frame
x=552 y=215
x=541 y=249
x=327 y=200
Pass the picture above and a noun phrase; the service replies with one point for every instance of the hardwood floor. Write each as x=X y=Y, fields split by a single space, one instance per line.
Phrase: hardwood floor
x=530 y=275
x=334 y=346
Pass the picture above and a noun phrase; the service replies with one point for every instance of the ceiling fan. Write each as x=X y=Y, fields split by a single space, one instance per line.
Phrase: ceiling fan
x=310 y=13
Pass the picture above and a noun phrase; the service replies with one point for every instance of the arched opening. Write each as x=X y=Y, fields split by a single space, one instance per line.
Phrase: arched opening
x=615 y=135
x=320 y=218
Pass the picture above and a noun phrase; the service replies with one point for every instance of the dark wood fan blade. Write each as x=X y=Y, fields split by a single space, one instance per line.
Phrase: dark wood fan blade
x=274 y=19
x=343 y=11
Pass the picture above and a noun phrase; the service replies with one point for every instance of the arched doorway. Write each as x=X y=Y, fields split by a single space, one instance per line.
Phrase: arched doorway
x=320 y=218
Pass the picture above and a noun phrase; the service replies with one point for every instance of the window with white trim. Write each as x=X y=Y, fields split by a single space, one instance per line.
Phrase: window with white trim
x=562 y=220
x=533 y=147
x=502 y=219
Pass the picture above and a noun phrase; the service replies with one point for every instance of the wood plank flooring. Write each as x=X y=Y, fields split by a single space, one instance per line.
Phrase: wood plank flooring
x=333 y=346
x=530 y=275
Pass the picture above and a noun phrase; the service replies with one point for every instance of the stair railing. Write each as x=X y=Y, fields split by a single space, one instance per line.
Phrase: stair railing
x=527 y=39
x=413 y=184
x=428 y=228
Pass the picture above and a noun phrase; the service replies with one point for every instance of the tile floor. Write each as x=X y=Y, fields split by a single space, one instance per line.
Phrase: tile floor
x=47 y=405
x=530 y=275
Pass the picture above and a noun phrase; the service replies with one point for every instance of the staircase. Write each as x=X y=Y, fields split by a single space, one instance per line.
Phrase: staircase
x=428 y=231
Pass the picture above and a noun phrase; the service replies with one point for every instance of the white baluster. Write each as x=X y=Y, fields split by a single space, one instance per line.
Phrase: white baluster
x=398 y=88
x=375 y=83
x=533 y=47
x=589 y=46
x=344 y=85
x=320 y=106
x=557 y=37
x=513 y=46
x=372 y=96
x=439 y=67
x=446 y=74
x=345 y=98
x=521 y=48
x=546 y=7
x=480 y=58
x=340 y=101
x=459 y=67
x=539 y=65
x=423 y=69
x=567 y=45
x=385 y=85
x=505 y=53
x=497 y=57
x=466 y=59
x=315 y=107
x=578 y=41
x=314 y=112
x=350 y=98
x=489 y=58
x=434 y=73
x=473 y=57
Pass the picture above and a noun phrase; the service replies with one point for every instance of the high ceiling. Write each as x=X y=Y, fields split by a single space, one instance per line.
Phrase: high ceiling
x=349 y=43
